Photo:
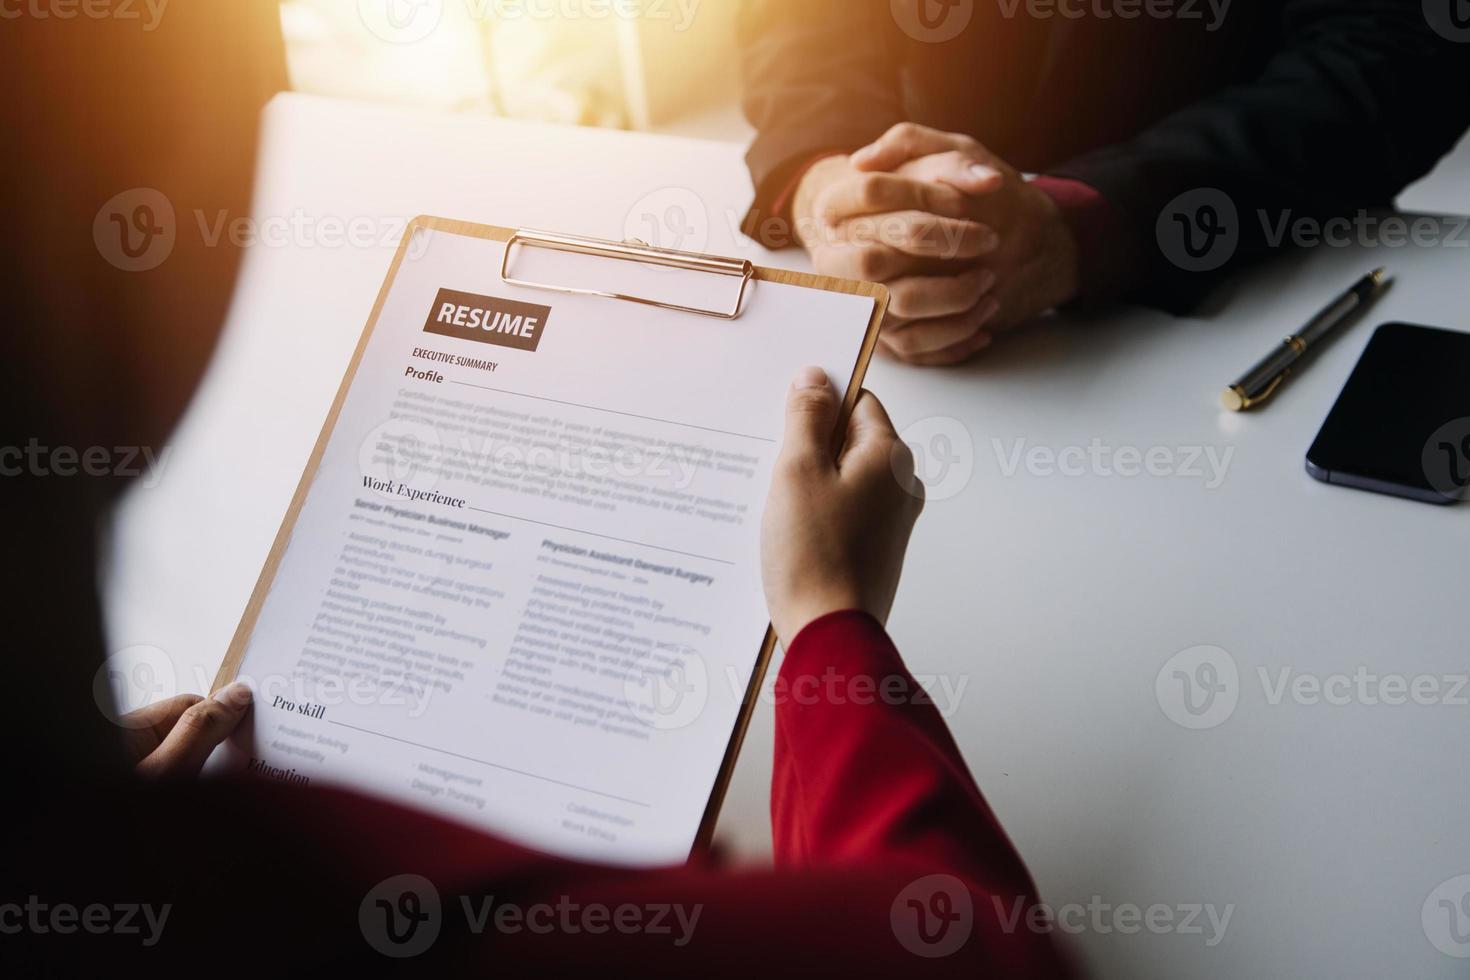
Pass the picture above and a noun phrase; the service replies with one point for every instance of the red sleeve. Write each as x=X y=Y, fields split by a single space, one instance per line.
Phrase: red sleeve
x=774 y=225
x=1108 y=257
x=890 y=865
x=866 y=773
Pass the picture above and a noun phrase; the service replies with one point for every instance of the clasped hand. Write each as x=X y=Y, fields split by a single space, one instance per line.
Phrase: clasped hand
x=967 y=247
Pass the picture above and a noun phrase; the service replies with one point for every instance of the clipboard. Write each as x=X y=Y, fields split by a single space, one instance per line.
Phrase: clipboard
x=742 y=274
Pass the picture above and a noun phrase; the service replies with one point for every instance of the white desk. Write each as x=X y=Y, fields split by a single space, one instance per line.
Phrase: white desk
x=1055 y=599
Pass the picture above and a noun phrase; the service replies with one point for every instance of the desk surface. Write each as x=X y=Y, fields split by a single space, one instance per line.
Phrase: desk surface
x=1049 y=597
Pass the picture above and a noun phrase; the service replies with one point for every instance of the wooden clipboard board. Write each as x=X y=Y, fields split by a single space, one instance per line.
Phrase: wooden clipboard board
x=630 y=251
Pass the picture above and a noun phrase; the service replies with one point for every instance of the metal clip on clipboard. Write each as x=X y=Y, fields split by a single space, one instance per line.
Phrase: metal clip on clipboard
x=634 y=251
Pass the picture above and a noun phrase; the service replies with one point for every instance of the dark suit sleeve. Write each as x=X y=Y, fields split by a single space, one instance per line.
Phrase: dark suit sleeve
x=1360 y=98
x=820 y=76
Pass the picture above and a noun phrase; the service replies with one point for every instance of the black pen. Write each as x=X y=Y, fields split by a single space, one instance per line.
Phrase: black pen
x=1261 y=381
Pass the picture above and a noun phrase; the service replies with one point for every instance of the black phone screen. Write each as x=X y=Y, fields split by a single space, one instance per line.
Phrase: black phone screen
x=1402 y=423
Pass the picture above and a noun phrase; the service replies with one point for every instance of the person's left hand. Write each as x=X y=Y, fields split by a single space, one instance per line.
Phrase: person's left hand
x=173 y=738
x=1034 y=265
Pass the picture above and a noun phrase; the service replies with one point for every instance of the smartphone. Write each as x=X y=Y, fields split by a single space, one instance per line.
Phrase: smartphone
x=1402 y=423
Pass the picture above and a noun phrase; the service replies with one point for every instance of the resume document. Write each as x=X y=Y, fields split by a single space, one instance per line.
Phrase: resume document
x=522 y=589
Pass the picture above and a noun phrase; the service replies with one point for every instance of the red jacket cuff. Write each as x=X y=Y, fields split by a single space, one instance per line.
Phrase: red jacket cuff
x=838 y=633
x=773 y=225
x=1108 y=257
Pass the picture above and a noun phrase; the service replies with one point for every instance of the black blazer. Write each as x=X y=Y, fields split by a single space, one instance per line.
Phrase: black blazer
x=1317 y=106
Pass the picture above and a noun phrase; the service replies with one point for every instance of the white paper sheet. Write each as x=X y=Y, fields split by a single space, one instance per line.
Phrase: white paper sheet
x=523 y=591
